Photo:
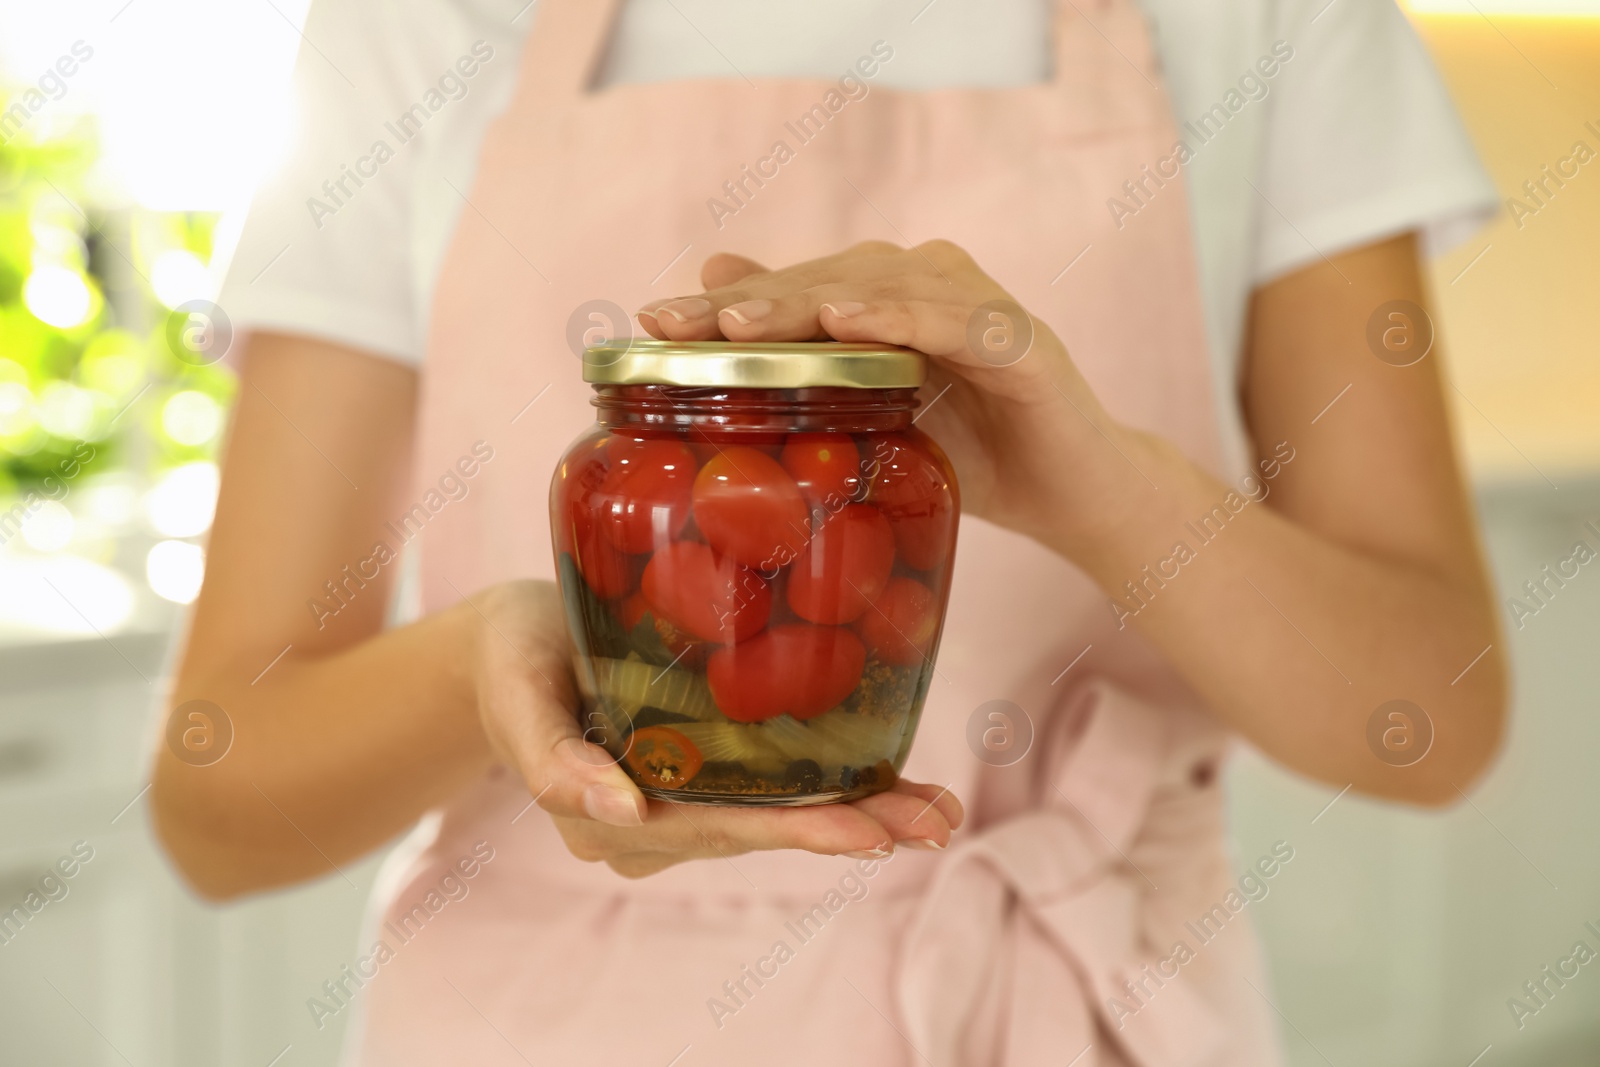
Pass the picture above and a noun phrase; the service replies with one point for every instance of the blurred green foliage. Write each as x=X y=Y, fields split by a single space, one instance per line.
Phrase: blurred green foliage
x=83 y=349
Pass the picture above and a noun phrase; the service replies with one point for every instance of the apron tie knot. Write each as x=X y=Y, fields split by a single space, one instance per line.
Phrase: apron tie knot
x=1046 y=902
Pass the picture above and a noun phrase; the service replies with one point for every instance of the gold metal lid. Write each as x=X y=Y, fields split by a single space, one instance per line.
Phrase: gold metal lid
x=754 y=365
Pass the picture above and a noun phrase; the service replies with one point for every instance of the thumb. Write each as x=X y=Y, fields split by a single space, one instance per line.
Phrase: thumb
x=554 y=746
x=725 y=268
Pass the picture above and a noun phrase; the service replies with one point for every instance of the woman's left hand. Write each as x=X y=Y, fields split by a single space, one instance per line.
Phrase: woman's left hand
x=1032 y=447
x=1367 y=541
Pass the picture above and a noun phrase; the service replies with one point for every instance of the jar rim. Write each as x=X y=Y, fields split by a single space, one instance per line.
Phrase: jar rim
x=754 y=364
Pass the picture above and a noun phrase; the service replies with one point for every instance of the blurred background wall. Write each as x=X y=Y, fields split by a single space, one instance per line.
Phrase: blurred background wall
x=1395 y=937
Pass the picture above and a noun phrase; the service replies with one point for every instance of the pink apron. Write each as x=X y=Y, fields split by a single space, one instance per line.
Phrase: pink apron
x=1044 y=932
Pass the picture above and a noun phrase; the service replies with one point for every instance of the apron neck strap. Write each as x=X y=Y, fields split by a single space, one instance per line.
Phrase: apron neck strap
x=567 y=44
x=1106 y=43
x=569 y=39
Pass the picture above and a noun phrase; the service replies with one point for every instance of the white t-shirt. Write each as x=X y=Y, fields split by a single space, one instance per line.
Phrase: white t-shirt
x=1352 y=139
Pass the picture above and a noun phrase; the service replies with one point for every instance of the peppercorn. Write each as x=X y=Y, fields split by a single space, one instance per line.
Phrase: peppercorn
x=804 y=776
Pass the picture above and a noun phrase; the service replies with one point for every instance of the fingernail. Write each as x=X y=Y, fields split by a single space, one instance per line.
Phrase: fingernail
x=749 y=311
x=871 y=853
x=845 y=308
x=923 y=844
x=684 y=310
x=608 y=804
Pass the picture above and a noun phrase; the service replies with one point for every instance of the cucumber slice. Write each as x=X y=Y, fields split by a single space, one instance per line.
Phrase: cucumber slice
x=733 y=742
x=790 y=737
x=837 y=739
x=633 y=684
x=843 y=738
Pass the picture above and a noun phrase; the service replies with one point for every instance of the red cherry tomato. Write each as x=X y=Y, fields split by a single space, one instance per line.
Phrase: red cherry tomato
x=844 y=567
x=579 y=475
x=662 y=757
x=915 y=495
x=902 y=474
x=703 y=451
x=633 y=610
x=706 y=595
x=923 y=537
x=899 y=628
x=798 y=670
x=609 y=572
x=749 y=509
x=644 y=498
x=824 y=466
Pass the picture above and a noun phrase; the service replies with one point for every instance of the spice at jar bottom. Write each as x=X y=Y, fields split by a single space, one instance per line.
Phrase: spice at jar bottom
x=754 y=546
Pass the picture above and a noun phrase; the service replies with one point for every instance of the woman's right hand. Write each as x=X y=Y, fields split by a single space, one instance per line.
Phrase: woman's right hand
x=528 y=703
x=1032 y=446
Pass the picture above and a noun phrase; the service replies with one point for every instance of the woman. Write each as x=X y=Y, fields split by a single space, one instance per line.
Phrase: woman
x=1205 y=384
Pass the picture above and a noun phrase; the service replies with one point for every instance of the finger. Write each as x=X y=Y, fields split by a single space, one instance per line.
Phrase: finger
x=719 y=271
x=796 y=315
x=861 y=261
x=829 y=830
x=696 y=832
x=679 y=318
x=724 y=269
x=786 y=318
x=909 y=817
x=684 y=318
x=647 y=319
x=939 y=329
x=955 y=813
x=538 y=725
x=696 y=318
x=868 y=258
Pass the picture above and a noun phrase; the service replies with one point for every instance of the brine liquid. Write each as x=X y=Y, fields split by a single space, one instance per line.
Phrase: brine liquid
x=755 y=613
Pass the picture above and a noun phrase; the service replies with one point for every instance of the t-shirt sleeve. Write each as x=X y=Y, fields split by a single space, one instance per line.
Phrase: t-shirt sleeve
x=325 y=248
x=1362 y=141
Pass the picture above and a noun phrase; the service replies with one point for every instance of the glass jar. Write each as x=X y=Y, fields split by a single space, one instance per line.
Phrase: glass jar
x=754 y=546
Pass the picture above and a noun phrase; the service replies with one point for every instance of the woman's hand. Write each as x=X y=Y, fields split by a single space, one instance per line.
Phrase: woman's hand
x=1002 y=393
x=353 y=731
x=528 y=702
x=1366 y=542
